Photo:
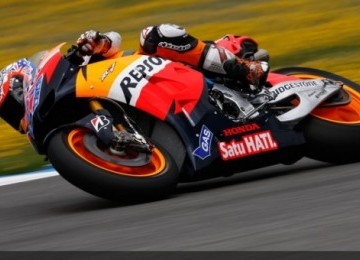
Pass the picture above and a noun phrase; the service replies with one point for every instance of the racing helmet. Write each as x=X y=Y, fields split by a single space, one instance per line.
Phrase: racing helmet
x=12 y=80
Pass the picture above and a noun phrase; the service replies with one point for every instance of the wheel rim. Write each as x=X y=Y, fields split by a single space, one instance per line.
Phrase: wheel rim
x=76 y=143
x=344 y=114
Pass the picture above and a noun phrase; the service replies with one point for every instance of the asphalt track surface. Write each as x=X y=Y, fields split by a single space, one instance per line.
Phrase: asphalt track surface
x=309 y=206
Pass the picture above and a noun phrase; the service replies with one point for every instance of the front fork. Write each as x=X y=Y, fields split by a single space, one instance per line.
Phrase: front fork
x=120 y=138
x=97 y=108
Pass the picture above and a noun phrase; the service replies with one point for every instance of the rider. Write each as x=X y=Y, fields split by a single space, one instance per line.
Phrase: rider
x=173 y=42
x=166 y=40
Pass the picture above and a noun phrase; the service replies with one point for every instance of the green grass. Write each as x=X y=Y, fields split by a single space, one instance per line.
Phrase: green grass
x=320 y=34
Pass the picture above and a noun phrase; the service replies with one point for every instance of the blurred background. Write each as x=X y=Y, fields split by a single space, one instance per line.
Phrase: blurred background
x=318 y=34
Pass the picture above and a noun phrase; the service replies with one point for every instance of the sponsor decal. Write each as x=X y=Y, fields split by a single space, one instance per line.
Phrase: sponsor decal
x=297 y=84
x=99 y=122
x=318 y=94
x=240 y=129
x=251 y=144
x=108 y=71
x=134 y=78
x=171 y=46
x=205 y=139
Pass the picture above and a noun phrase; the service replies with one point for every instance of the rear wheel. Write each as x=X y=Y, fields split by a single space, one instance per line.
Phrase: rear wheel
x=83 y=161
x=332 y=133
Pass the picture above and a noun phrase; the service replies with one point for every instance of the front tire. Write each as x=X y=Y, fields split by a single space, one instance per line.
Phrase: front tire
x=109 y=176
x=332 y=133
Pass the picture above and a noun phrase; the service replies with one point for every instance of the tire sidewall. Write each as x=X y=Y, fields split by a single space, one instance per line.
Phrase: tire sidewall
x=328 y=141
x=105 y=184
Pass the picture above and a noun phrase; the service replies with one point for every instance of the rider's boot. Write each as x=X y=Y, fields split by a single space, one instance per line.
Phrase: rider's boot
x=254 y=73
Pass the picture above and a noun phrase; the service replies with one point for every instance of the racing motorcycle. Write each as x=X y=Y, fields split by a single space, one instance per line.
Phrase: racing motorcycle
x=133 y=127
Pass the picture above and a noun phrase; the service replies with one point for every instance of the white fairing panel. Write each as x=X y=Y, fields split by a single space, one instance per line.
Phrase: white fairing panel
x=310 y=93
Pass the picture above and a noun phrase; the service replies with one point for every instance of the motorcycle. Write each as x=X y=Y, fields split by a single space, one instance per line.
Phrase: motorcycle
x=133 y=127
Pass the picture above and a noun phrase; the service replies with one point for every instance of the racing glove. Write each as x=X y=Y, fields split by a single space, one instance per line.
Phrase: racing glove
x=93 y=42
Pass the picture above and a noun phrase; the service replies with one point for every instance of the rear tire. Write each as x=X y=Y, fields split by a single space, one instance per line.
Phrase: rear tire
x=109 y=179
x=332 y=133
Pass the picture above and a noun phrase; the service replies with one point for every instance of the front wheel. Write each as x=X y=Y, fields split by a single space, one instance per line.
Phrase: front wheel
x=332 y=133
x=83 y=161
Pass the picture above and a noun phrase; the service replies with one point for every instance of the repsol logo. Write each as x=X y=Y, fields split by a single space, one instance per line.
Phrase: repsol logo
x=298 y=84
x=136 y=78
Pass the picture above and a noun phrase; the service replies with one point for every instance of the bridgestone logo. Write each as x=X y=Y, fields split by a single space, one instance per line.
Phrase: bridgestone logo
x=291 y=85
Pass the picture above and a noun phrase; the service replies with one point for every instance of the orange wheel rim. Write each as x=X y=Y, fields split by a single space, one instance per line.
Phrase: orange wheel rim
x=154 y=167
x=343 y=114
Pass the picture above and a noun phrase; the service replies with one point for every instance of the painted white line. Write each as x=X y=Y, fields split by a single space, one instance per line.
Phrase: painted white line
x=12 y=179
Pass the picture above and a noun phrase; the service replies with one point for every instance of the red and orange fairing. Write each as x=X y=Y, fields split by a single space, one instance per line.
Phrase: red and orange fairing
x=151 y=84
